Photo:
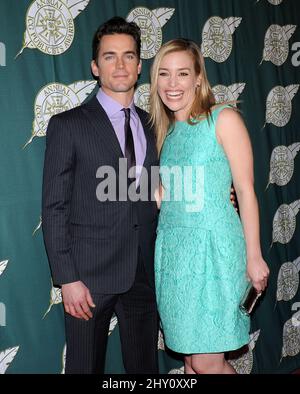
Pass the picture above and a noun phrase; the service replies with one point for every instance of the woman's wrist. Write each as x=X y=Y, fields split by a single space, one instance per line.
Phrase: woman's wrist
x=253 y=257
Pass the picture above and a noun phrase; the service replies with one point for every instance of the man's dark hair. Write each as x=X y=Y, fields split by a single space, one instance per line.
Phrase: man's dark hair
x=117 y=25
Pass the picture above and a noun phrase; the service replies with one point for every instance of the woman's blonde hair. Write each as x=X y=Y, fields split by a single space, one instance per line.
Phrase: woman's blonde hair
x=161 y=117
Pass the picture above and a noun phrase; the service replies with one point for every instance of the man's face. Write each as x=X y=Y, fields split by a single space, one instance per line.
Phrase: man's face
x=118 y=65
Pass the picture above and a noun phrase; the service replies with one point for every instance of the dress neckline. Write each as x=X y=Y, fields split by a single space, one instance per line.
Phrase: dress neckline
x=201 y=120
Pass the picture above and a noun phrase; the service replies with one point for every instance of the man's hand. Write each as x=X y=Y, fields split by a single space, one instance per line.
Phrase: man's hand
x=77 y=299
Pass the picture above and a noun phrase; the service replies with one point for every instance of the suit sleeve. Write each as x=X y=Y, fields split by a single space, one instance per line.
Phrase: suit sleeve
x=58 y=181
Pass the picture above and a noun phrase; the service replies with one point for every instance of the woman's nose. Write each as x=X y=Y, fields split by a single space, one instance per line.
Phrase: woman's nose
x=172 y=81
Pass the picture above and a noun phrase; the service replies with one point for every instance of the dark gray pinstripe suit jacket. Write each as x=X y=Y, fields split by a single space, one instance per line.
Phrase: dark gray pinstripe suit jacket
x=95 y=242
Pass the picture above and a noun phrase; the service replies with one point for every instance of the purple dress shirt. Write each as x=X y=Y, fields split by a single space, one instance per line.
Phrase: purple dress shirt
x=114 y=111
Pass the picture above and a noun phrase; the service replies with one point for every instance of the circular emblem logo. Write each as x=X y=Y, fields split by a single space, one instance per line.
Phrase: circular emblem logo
x=50 y=26
x=275 y=2
x=222 y=93
x=217 y=39
x=279 y=106
x=291 y=338
x=151 y=33
x=282 y=165
x=243 y=364
x=284 y=224
x=276 y=45
x=142 y=97
x=288 y=282
x=51 y=100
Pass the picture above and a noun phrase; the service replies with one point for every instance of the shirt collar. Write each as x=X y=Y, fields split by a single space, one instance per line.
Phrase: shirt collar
x=111 y=106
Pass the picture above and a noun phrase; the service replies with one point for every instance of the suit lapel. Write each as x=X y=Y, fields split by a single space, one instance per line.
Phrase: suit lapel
x=101 y=123
x=99 y=119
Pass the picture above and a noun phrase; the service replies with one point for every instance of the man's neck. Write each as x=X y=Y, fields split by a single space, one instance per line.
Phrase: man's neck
x=124 y=98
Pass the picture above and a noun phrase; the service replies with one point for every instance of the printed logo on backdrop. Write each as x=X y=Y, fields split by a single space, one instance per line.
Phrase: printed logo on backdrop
x=150 y=23
x=282 y=164
x=224 y=93
x=112 y=325
x=55 y=298
x=291 y=336
x=177 y=371
x=63 y=359
x=161 y=341
x=142 y=97
x=55 y=98
x=276 y=47
x=279 y=105
x=3 y=265
x=7 y=357
x=217 y=37
x=288 y=280
x=50 y=25
x=284 y=222
x=244 y=363
x=39 y=225
x=274 y=2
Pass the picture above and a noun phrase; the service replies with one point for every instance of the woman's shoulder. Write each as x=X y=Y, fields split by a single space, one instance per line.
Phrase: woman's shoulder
x=219 y=107
x=224 y=111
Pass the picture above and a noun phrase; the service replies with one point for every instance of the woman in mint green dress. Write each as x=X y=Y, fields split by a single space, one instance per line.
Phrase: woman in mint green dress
x=204 y=255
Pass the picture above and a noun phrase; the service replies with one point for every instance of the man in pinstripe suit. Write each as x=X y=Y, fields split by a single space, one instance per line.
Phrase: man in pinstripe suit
x=101 y=253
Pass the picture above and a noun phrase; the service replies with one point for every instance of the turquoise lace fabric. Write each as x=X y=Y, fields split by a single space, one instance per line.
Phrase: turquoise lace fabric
x=200 y=254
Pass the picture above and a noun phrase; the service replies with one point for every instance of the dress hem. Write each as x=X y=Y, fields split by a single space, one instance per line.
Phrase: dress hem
x=202 y=351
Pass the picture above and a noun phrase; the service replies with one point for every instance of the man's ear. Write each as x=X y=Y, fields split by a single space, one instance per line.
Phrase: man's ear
x=94 y=68
x=140 y=67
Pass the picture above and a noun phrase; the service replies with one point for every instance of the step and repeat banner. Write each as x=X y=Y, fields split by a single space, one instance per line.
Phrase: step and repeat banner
x=252 y=55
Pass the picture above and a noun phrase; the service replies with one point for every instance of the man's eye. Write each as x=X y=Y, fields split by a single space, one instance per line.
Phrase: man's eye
x=109 y=57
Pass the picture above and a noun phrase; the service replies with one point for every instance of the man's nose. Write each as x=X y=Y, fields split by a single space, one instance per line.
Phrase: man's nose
x=120 y=62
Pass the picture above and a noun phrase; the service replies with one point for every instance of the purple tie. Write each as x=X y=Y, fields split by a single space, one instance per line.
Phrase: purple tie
x=129 y=143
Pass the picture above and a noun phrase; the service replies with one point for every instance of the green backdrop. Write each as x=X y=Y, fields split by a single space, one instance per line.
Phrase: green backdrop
x=252 y=54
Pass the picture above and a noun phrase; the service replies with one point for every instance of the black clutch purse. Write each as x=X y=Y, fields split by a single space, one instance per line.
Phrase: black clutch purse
x=249 y=299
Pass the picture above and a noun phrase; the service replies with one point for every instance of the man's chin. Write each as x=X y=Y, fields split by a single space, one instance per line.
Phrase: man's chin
x=123 y=89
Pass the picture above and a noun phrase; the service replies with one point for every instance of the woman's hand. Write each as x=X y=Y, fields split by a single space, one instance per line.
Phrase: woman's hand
x=158 y=195
x=258 y=272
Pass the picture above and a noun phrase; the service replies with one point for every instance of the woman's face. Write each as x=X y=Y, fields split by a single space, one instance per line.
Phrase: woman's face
x=177 y=83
